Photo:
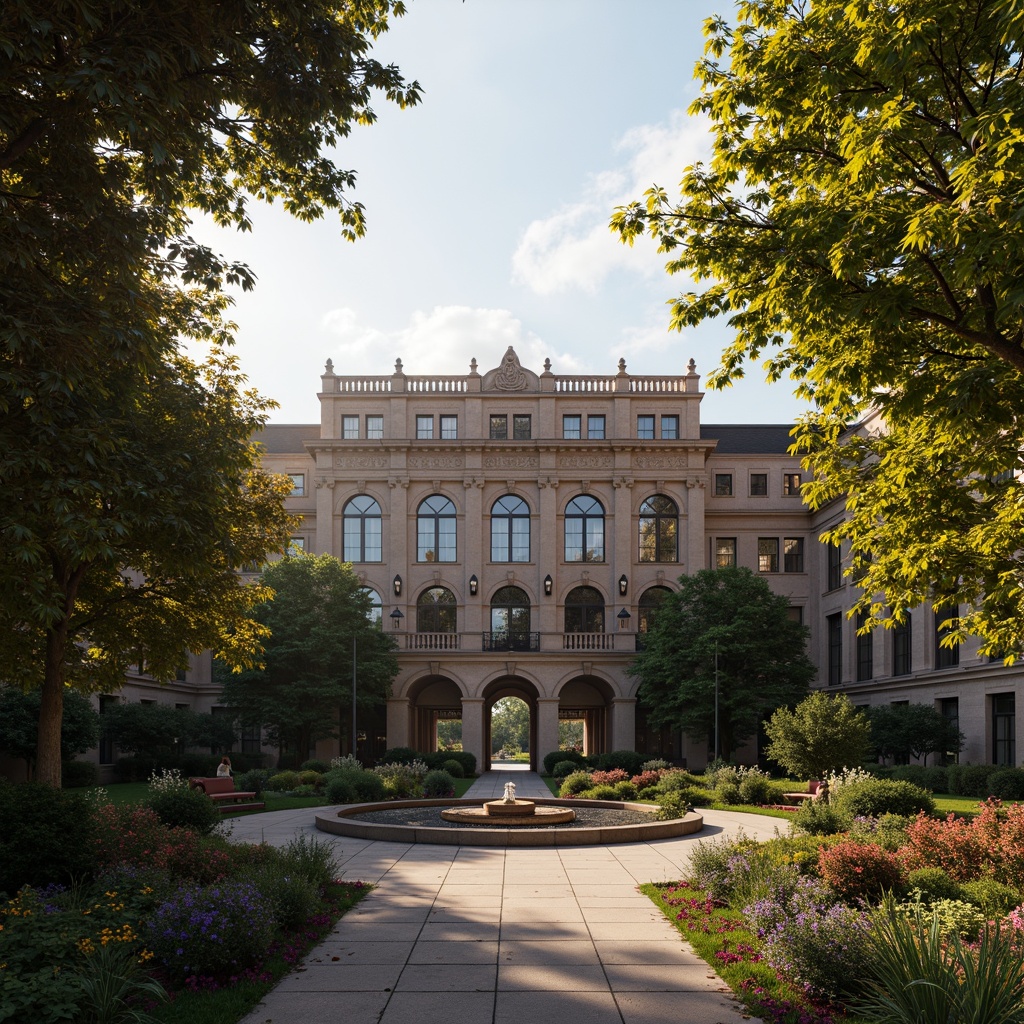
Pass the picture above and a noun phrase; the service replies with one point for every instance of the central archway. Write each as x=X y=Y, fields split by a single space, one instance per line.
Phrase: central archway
x=499 y=689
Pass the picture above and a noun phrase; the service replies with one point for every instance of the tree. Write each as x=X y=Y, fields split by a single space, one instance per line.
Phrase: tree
x=19 y=725
x=905 y=731
x=158 y=728
x=723 y=624
x=823 y=734
x=510 y=725
x=318 y=609
x=858 y=227
x=117 y=121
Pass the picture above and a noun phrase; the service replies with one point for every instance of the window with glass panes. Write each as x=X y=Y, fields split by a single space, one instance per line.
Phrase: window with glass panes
x=659 y=519
x=298 y=484
x=424 y=428
x=435 y=611
x=584 y=611
x=645 y=428
x=834 y=638
x=793 y=550
x=670 y=428
x=723 y=484
x=725 y=552
x=759 y=484
x=901 y=656
x=374 y=427
x=584 y=530
x=767 y=554
x=350 y=428
x=571 y=426
x=361 y=530
x=595 y=428
x=510 y=530
x=790 y=483
x=1004 y=729
x=522 y=427
x=833 y=566
x=435 y=530
x=946 y=657
x=449 y=428
x=865 y=651
x=499 y=427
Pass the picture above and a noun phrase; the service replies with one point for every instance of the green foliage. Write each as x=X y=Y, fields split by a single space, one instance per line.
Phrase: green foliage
x=673 y=805
x=1007 y=784
x=315 y=765
x=319 y=606
x=820 y=819
x=554 y=756
x=19 y=724
x=902 y=731
x=253 y=781
x=563 y=769
x=114 y=984
x=312 y=858
x=934 y=776
x=970 y=779
x=876 y=797
x=510 y=725
x=862 y=238
x=917 y=973
x=283 y=782
x=438 y=783
x=398 y=755
x=177 y=804
x=46 y=836
x=575 y=784
x=439 y=759
x=341 y=789
x=628 y=761
x=603 y=791
x=933 y=884
x=453 y=768
x=679 y=779
x=78 y=774
x=992 y=898
x=823 y=734
x=729 y=618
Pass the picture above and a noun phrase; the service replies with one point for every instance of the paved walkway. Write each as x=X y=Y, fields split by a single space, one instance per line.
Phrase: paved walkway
x=474 y=935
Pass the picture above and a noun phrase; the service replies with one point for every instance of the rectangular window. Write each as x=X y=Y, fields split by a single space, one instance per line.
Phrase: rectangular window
x=723 y=484
x=1004 y=729
x=767 y=554
x=790 y=483
x=350 y=428
x=901 y=658
x=834 y=625
x=424 y=428
x=794 y=552
x=645 y=428
x=834 y=566
x=571 y=427
x=725 y=552
x=499 y=428
x=522 y=427
x=449 y=428
x=795 y=613
x=670 y=428
x=250 y=736
x=375 y=427
x=595 y=428
x=759 y=485
x=865 y=652
x=946 y=657
x=298 y=484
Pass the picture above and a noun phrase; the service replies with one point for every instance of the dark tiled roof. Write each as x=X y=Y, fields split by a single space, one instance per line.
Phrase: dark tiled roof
x=287 y=438
x=748 y=438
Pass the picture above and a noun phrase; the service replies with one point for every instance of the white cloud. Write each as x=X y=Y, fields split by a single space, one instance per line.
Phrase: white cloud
x=573 y=248
x=443 y=340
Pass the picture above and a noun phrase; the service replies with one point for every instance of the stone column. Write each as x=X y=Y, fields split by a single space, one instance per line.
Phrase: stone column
x=324 y=543
x=547 y=726
x=623 y=723
x=473 y=728
x=399 y=713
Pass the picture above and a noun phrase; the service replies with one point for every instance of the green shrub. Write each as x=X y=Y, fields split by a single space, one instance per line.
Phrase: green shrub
x=314 y=764
x=602 y=792
x=177 y=805
x=399 y=755
x=304 y=790
x=575 y=784
x=934 y=884
x=934 y=777
x=311 y=778
x=465 y=758
x=820 y=819
x=625 y=790
x=628 y=760
x=46 y=835
x=679 y=780
x=755 y=788
x=656 y=764
x=563 y=769
x=727 y=793
x=453 y=768
x=283 y=782
x=889 y=831
x=311 y=858
x=358 y=786
x=253 y=781
x=551 y=759
x=438 y=784
x=970 y=779
x=78 y=774
x=876 y=797
x=648 y=793
x=340 y=789
x=672 y=805
x=1007 y=784
x=992 y=898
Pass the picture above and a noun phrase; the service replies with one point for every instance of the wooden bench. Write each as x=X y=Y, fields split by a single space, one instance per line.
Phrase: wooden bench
x=222 y=792
x=799 y=798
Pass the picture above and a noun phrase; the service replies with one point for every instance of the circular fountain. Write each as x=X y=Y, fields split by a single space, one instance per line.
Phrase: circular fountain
x=510 y=812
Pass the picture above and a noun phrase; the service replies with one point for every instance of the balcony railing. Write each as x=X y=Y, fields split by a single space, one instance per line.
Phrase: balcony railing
x=503 y=640
x=433 y=641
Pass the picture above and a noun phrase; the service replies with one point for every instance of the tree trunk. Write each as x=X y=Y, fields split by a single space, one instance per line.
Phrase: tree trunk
x=51 y=711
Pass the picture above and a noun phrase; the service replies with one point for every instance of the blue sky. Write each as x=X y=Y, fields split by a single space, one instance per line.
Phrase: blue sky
x=488 y=207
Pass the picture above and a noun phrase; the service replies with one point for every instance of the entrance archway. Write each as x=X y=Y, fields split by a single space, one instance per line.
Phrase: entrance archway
x=499 y=690
x=433 y=700
x=588 y=699
x=510 y=729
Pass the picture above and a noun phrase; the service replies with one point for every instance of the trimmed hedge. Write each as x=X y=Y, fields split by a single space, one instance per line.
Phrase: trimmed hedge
x=875 y=797
x=970 y=779
x=551 y=759
x=1007 y=784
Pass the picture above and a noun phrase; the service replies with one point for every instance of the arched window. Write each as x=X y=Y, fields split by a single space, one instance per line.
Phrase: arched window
x=361 y=528
x=649 y=602
x=376 y=612
x=584 y=611
x=510 y=611
x=435 y=611
x=435 y=530
x=510 y=530
x=659 y=522
x=584 y=530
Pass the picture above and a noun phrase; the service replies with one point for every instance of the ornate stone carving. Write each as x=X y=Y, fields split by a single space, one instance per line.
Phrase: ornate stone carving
x=585 y=462
x=510 y=462
x=510 y=376
x=345 y=461
x=660 y=461
x=435 y=462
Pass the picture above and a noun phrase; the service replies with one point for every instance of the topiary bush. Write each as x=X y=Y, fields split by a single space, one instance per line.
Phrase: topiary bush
x=603 y=792
x=438 y=784
x=178 y=805
x=934 y=884
x=309 y=777
x=283 y=782
x=563 y=769
x=1007 y=784
x=575 y=784
x=625 y=790
x=876 y=797
x=453 y=768
x=551 y=759
x=970 y=779
x=340 y=789
x=358 y=786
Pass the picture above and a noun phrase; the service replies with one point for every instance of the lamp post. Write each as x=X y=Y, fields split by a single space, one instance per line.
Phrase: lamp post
x=355 y=734
x=716 y=700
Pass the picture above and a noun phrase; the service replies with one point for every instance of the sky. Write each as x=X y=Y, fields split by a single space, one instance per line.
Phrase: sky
x=488 y=208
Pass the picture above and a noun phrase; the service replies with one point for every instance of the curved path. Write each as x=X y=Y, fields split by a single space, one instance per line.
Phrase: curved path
x=475 y=935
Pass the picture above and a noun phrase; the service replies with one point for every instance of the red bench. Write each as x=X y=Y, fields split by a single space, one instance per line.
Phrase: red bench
x=799 y=798
x=222 y=792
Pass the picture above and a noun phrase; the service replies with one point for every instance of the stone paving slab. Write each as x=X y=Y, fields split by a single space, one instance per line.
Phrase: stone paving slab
x=496 y=935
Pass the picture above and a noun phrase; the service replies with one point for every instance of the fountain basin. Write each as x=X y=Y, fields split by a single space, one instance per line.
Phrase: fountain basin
x=514 y=814
x=345 y=821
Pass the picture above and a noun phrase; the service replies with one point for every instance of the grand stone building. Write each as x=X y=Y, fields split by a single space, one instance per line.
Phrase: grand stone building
x=517 y=528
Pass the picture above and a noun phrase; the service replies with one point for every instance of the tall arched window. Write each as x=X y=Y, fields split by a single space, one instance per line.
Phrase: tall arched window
x=584 y=611
x=435 y=530
x=649 y=602
x=376 y=612
x=659 y=521
x=510 y=611
x=510 y=530
x=435 y=611
x=584 y=530
x=361 y=529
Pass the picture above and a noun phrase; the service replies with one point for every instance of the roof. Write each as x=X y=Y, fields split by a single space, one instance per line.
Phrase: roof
x=287 y=438
x=748 y=438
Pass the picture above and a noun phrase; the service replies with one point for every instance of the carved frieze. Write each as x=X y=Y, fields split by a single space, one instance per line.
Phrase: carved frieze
x=585 y=462
x=511 y=462
x=435 y=462
x=343 y=461
x=660 y=461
